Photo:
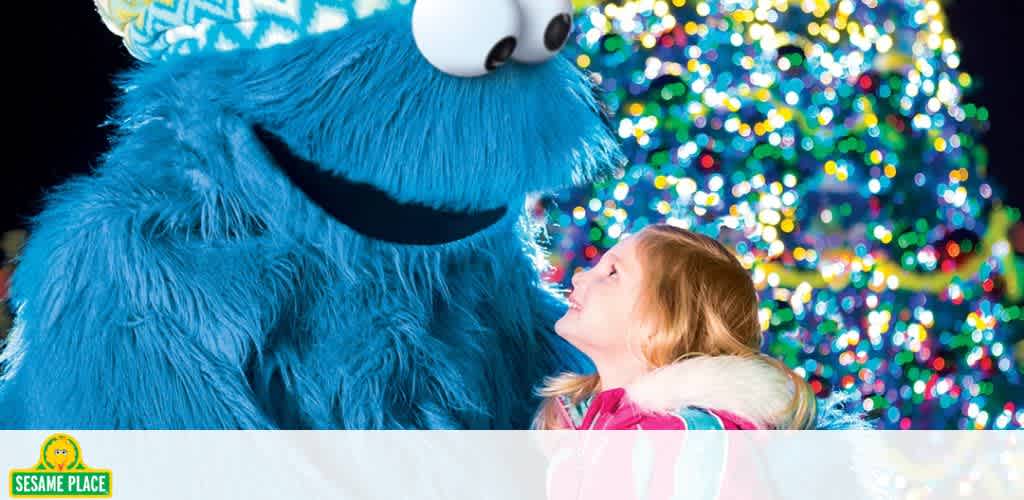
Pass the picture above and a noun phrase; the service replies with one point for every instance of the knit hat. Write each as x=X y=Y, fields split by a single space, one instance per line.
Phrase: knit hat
x=155 y=30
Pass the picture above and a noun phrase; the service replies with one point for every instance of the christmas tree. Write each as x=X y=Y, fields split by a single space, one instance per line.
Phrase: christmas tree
x=832 y=145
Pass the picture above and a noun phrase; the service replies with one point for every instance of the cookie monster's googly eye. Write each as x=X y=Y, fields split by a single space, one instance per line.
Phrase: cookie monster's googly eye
x=466 y=37
x=546 y=27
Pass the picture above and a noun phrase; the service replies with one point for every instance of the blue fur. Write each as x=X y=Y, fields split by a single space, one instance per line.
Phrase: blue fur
x=186 y=284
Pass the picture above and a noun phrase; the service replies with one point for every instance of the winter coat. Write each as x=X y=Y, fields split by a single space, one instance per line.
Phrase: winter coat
x=720 y=392
x=700 y=394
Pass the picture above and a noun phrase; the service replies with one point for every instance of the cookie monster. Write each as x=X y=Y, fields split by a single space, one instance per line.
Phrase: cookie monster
x=311 y=215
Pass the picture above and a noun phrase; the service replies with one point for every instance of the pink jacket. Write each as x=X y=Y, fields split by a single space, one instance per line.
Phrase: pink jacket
x=614 y=410
x=700 y=394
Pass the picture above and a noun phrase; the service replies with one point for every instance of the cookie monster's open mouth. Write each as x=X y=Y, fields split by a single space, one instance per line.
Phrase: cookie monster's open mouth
x=370 y=211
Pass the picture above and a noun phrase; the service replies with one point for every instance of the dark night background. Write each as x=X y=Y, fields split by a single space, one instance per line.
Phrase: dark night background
x=68 y=92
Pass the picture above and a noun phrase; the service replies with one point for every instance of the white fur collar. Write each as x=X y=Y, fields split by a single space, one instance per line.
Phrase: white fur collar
x=748 y=388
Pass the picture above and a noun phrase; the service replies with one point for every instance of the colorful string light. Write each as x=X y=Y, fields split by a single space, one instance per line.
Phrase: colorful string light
x=829 y=142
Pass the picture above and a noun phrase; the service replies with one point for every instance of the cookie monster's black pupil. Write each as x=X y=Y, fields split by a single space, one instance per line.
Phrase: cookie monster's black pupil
x=500 y=53
x=557 y=32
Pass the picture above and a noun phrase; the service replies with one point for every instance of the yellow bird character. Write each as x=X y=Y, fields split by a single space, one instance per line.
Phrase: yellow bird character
x=60 y=453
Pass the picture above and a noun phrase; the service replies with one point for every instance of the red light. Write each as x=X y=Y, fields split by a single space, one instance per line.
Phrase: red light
x=555 y=275
x=680 y=35
x=988 y=285
x=816 y=386
x=939 y=363
x=953 y=249
x=847 y=381
x=865 y=82
x=590 y=252
x=706 y=161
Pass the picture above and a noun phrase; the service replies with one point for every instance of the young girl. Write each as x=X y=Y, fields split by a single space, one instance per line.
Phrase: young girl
x=670 y=319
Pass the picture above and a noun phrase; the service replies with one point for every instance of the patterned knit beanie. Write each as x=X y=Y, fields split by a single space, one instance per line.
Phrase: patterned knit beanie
x=155 y=30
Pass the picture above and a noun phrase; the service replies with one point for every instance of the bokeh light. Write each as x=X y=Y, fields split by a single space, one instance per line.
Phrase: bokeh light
x=830 y=143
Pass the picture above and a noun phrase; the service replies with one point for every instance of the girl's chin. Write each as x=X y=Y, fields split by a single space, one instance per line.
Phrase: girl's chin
x=564 y=325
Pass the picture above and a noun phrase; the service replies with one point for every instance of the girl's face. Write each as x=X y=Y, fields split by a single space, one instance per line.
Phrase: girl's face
x=601 y=305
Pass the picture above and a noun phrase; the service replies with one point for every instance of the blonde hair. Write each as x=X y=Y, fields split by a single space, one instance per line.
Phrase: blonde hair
x=698 y=301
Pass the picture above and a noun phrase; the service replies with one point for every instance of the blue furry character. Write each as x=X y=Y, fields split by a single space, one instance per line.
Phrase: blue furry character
x=311 y=216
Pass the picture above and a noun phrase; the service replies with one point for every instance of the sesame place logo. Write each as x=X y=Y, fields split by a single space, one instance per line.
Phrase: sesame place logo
x=60 y=473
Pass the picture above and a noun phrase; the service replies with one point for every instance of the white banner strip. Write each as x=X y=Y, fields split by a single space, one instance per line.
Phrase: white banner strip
x=449 y=465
